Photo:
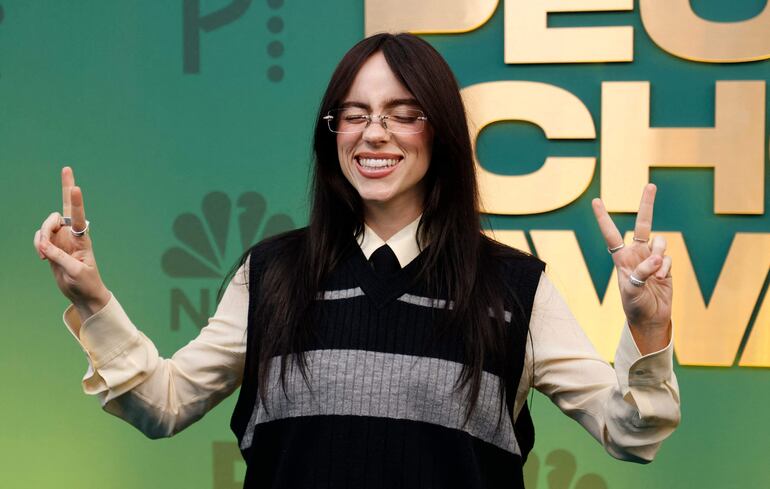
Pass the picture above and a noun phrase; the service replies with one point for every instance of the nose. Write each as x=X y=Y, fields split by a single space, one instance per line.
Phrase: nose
x=375 y=132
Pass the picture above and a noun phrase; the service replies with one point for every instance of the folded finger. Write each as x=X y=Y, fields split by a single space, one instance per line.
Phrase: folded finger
x=36 y=244
x=658 y=246
x=51 y=225
x=647 y=267
x=57 y=256
x=665 y=268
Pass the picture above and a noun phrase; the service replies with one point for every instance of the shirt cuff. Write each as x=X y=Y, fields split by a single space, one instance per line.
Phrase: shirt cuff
x=105 y=334
x=637 y=372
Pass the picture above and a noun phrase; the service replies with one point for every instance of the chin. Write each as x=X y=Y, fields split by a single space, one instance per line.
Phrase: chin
x=376 y=197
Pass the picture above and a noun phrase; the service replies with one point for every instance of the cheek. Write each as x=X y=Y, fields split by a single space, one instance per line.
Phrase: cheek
x=344 y=148
x=423 y=151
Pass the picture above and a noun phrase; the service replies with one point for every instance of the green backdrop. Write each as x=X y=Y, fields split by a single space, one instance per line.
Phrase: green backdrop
x=157 y=126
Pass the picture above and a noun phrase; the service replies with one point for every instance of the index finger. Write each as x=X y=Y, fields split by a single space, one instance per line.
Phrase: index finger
x=67 y=182
x=643 y=224
x=606 y=225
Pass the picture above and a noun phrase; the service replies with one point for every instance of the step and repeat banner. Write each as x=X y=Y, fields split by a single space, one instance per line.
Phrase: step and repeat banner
x=188 y=125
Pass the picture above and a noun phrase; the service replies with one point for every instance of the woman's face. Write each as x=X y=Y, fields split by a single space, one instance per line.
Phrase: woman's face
x=398 y=182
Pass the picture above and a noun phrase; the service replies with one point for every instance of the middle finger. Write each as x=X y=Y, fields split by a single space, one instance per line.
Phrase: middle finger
x=78 y=211
x=643 y=224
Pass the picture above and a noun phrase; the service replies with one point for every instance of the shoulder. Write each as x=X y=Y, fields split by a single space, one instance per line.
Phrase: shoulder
x=275 y=248
x=510 y=259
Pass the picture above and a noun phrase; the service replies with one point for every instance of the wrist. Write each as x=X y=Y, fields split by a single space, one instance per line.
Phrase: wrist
x=651 y=338
x=88 y=308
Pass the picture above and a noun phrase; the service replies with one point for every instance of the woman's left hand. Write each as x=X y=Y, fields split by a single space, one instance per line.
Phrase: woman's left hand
x=644 y=274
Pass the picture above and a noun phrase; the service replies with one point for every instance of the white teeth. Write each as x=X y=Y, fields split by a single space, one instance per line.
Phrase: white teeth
x=376 y=162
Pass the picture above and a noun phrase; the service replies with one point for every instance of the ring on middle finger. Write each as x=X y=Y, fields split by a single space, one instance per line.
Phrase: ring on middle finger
x=640 y=240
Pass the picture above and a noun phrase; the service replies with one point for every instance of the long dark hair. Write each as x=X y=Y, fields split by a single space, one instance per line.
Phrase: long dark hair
x=459 y=263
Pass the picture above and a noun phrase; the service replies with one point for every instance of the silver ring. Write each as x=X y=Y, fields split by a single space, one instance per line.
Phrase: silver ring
x=640 y=240
x=615 y=249
x=80 y=233
x=635 y=281
x=67 y=221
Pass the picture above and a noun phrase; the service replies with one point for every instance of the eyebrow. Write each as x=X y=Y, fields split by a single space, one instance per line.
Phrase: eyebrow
x=393 y=102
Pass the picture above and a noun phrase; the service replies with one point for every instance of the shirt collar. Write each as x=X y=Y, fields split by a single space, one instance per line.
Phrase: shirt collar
x=403 y=243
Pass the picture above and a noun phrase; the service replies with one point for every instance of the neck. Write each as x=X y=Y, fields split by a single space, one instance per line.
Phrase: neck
x=387 y=220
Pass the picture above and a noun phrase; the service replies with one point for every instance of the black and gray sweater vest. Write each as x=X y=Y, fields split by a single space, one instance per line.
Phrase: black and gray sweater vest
x=382 y=409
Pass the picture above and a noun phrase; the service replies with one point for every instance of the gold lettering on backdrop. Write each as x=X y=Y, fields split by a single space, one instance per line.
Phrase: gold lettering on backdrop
x=674 y=27
x=734 y=147
x=603 y=320
x=710 y=335
x=757 y=350
x=426 y=16
x=561 y=115
x=528 y=39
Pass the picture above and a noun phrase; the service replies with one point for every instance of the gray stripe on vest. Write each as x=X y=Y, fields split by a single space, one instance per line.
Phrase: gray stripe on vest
x=426 y=301
x=334 y=295
x=417 y=300
x=440 y=304
x=383 y=385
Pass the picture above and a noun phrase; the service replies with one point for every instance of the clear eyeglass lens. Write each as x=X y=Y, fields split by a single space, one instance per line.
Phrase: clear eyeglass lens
x=399 y=121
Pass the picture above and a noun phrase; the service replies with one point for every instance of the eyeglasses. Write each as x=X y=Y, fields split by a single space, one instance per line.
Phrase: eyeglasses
x=352 y=120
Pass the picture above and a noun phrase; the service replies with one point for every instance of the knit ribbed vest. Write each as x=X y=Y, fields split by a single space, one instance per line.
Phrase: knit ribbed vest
x=381 y=408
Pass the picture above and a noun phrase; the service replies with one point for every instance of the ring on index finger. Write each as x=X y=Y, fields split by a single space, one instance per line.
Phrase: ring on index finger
x=615 y=249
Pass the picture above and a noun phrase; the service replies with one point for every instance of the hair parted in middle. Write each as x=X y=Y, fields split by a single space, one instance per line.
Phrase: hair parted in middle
x=460 y=262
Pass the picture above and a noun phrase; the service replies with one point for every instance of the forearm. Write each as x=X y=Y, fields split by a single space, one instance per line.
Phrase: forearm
x=629 y=409
x=157 y=395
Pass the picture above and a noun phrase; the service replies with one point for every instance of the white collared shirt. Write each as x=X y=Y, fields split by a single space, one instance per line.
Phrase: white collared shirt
x=403 y=243
x=629 y=409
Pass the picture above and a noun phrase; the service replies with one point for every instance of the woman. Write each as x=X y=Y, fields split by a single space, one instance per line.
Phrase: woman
x=389 y=343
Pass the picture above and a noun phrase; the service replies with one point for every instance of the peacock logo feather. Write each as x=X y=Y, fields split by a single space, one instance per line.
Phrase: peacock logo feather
x=563 y=466
x=203 y=248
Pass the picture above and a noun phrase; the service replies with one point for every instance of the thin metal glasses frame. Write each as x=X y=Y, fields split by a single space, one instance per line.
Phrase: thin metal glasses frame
x=381 y=119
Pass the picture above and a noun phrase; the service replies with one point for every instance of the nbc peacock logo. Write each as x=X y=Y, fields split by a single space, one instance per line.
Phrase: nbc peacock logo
x=559 y=471
x=209 y=243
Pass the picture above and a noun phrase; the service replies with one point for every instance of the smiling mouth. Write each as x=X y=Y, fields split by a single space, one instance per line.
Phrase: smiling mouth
x=377 y=163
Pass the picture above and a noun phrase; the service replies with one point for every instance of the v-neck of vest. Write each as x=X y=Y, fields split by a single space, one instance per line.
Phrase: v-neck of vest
x=383 y=289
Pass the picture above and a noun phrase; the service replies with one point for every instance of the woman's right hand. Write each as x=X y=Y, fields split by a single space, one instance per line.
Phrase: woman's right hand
x=71 y=257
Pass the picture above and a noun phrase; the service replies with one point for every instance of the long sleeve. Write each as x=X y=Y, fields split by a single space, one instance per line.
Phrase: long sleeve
x=630 y=409
x=162 y=396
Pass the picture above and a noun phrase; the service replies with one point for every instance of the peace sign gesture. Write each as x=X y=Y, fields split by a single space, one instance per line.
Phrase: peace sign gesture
x=65 y=243
x=644 y=274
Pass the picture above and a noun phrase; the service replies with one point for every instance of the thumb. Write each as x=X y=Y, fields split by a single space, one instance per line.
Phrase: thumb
x=57 y=256
x=646 y=268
